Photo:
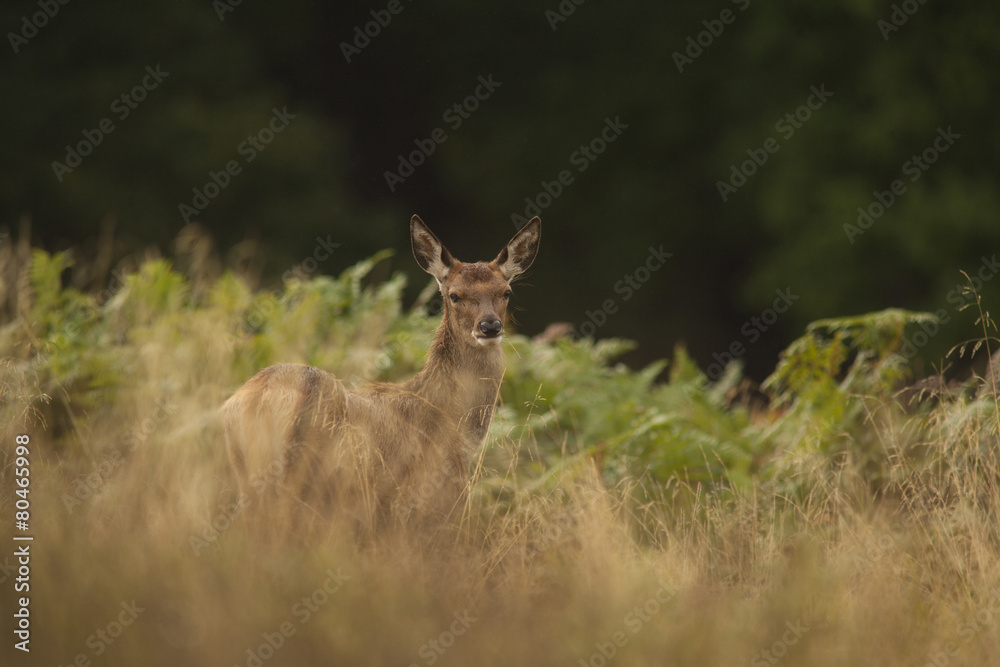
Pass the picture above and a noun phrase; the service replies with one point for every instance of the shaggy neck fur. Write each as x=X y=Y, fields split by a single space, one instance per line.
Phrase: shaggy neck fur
x=462 y=380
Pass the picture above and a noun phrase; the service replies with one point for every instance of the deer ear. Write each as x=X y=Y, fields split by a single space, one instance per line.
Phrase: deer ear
x=520 y=252
x=432 y=257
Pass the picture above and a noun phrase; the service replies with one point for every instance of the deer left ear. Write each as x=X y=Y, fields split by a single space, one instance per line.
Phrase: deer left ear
x=430 y=254
x=520 y=252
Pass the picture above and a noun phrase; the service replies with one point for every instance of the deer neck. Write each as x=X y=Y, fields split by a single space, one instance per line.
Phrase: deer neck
x=463 y=381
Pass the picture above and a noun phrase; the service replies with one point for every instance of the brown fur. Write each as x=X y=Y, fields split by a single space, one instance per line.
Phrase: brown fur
x=312 y=450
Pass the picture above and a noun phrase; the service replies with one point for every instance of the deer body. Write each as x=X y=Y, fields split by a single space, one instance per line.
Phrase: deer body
x=316 y=449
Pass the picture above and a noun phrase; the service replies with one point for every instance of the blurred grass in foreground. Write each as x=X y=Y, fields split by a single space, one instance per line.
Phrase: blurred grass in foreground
x=848 y=519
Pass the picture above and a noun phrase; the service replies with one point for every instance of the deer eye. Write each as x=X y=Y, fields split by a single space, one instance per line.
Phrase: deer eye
x=454 y=297
x=507 y=294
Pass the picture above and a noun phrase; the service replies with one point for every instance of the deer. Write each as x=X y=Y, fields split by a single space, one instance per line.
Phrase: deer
x=315 y=452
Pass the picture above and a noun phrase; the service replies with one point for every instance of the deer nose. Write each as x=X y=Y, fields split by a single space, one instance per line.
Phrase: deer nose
x=491 y=328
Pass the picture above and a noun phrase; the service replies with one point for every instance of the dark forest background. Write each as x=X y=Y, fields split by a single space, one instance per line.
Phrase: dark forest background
x=805 y=111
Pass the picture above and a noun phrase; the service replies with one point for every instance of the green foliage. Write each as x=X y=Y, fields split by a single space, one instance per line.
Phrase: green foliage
x=62 y=340
x=840 y=358
x=624 y=420
x=564 y=403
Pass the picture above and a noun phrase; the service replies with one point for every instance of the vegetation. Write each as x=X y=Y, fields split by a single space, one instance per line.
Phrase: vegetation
x=844 y=514
x=905 y=96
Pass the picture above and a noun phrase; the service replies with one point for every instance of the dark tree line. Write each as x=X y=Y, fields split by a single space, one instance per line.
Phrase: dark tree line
x=841 y=153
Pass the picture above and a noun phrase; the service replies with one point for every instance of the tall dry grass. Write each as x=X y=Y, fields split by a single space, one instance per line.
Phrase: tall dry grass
x=134 y=520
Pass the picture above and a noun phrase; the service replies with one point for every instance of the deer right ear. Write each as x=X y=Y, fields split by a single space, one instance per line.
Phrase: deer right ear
x=520 y=252
x=432 y=257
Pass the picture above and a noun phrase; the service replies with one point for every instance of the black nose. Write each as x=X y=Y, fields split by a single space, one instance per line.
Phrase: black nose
x=491 y=328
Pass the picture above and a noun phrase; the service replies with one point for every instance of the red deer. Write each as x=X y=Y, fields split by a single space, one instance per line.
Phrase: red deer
x=389 y=452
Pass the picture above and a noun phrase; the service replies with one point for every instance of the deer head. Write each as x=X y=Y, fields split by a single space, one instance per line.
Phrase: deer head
x=475 y=294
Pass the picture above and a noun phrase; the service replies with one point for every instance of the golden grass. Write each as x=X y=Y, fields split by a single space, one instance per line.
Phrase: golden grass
x=134 y=509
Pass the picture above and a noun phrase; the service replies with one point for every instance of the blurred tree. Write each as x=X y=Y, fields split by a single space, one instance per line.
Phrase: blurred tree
x=94 y=135
x=828 y=102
